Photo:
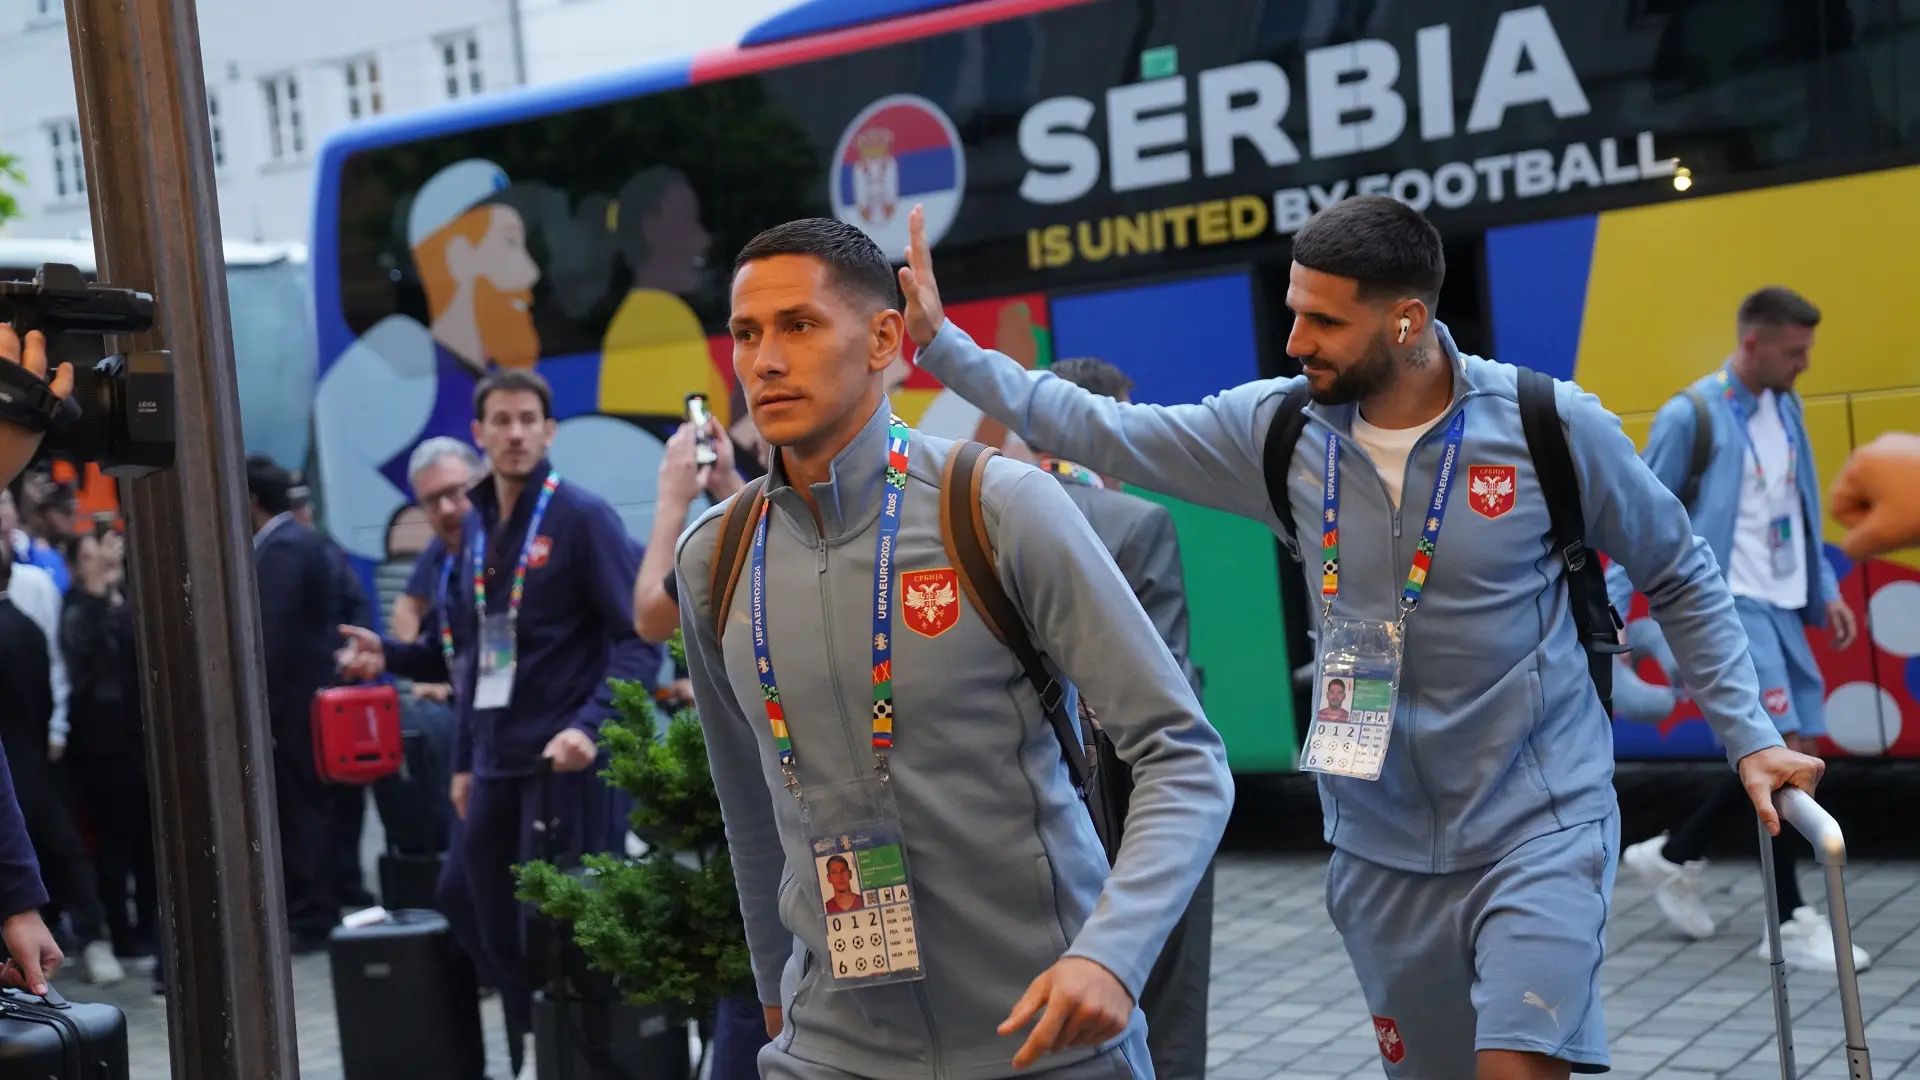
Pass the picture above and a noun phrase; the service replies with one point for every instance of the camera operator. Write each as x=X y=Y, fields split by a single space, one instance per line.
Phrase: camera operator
x=34 y=957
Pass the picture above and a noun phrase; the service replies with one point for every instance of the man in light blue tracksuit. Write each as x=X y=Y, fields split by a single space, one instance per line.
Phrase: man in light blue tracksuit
x=1470 y=881
x=1756 y=502
x=852 y=692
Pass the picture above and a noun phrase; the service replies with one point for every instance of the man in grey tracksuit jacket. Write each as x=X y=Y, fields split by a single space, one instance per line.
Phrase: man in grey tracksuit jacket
x=1009 y=870
x=1470 y=882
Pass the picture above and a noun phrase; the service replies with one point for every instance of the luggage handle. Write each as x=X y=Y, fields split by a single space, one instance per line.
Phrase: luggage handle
x=1811 y=820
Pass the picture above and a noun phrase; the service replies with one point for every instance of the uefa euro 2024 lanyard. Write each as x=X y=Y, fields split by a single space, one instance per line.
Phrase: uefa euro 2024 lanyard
x=494 y=685
x=1780 y=551
x=854 y=835
x=1359 y=663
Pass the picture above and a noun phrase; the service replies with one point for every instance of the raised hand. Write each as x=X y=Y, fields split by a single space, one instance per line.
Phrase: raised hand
x=925 y=316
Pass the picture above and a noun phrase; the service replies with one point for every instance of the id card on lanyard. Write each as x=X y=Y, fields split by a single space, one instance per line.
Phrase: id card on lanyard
x=1782 y=554
x=1357 y=673
x=493 y=687
x=853 y=826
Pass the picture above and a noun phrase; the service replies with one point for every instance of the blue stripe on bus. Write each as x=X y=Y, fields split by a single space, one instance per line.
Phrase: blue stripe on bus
x=1537 y=292
x=921 y=172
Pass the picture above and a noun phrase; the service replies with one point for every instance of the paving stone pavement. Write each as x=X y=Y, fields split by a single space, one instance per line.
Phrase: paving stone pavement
x=1285 y=1003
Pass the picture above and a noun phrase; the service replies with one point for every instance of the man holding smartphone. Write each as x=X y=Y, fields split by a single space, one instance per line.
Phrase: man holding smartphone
x=699 y=460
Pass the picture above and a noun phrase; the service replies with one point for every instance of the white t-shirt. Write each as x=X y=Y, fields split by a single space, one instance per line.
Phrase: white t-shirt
x=1754 y=568
x=1389 y=448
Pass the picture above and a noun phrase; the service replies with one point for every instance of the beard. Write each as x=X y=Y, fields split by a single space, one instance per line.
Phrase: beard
x=507 y=335
x=1361 y=379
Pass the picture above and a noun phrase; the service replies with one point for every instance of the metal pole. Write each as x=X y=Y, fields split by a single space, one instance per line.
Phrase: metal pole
x=149 y=166
x=518 y=22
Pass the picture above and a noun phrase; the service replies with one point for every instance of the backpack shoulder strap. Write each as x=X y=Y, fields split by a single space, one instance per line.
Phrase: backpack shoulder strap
x=1282 y=433
x=963 y=525
x=1593 y=616
x=1702 y=447
x=730 y=553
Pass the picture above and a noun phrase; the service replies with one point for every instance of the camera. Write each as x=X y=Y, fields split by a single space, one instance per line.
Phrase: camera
x=120 y=414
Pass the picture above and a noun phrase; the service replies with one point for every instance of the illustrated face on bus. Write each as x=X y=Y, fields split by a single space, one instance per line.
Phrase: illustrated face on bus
x=1344 y=340
x=514 y=431
x=808 y=351
x=660 y=231
x=479 y=281
x=1780 y=353
x=441 y=490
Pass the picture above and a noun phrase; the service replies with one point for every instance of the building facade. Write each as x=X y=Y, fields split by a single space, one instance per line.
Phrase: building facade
x=281 y=75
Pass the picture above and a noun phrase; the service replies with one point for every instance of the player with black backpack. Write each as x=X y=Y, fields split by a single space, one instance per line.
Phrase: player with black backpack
x=1467 y=789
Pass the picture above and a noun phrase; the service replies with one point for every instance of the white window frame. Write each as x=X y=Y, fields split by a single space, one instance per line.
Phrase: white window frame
x=362 y=75
x=68 y=159
x=286 y=123
x=461 y=74
x=216 y=129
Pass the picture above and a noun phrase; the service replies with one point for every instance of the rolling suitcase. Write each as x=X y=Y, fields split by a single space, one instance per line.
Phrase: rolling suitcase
x=405 y=975
x=55 y=1039
x=1798 y=811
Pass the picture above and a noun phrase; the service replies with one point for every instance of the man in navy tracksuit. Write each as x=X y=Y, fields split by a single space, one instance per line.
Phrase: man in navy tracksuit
x=1471 y=877
x=530 y=677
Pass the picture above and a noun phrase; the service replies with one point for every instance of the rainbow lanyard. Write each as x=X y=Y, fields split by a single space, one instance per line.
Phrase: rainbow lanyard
x=1741 y=420
x=519 y=572
x=446 y=610
x=1429 y=537
x=893 y=493
x=1067 y=470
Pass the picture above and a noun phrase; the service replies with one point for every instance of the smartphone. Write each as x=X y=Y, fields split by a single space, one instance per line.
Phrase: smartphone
x=703 y=452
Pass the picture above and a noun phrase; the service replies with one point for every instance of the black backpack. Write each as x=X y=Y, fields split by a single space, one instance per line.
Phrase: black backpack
x=1702 y=448
x=1598 y=624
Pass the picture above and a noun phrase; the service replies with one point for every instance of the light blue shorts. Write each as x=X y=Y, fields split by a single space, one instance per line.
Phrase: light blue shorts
x=1791 y=686
x=1505 y=957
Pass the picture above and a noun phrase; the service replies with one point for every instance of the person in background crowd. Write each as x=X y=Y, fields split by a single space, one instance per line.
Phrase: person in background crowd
x=1141 y=536
x=349 y=801
x=106 y=746
x=541 y=620
x=739 y=1027
x=26 y=685
x=32 y=954
x=1876 y=497
x=299 y=602
x=1757 y=505
x=27 y=549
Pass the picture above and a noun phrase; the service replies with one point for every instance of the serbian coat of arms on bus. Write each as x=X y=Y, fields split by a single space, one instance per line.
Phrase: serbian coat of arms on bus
x=876 y=176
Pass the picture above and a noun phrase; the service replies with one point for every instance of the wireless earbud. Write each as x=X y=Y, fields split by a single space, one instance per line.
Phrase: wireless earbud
x=1405 y=325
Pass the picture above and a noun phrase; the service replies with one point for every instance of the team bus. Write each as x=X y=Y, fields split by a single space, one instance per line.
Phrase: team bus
x=1120 y=178
x=273 y=348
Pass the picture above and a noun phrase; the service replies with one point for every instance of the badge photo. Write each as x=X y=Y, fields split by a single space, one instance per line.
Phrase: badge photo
x=840 y=882
x=538 y=553
x=931 y=599
x=1490 y=489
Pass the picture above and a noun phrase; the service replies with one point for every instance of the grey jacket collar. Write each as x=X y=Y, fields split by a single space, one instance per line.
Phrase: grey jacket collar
x=849 y=500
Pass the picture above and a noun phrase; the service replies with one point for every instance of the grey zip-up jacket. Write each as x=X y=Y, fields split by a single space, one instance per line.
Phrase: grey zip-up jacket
x=1010 y=875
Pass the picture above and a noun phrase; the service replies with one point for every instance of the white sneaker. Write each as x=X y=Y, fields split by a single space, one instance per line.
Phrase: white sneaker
x=528 y=1069
x=1677 y=889
x=103 y=968
x=1806 y=941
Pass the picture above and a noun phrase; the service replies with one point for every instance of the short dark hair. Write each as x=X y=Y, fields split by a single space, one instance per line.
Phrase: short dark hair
x=1094 y=374
x=1380 y=242
x=1776 y=306
x=841 y=859
x=269 y=484
x=855 y=262
x=512 y=379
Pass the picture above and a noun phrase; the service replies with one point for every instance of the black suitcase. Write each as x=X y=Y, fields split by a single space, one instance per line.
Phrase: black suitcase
x=413 y=804
x=602 y=1039
x=405 y=974
x=410 y=881
x=55 y=1039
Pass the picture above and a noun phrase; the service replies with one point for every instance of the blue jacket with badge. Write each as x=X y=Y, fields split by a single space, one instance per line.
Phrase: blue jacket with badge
x=1498 y=736
x=1716 y=504
x=575 y=629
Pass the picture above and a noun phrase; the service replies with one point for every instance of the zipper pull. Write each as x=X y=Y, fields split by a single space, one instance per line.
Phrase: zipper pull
x=822 y=548
x=1396 y=524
